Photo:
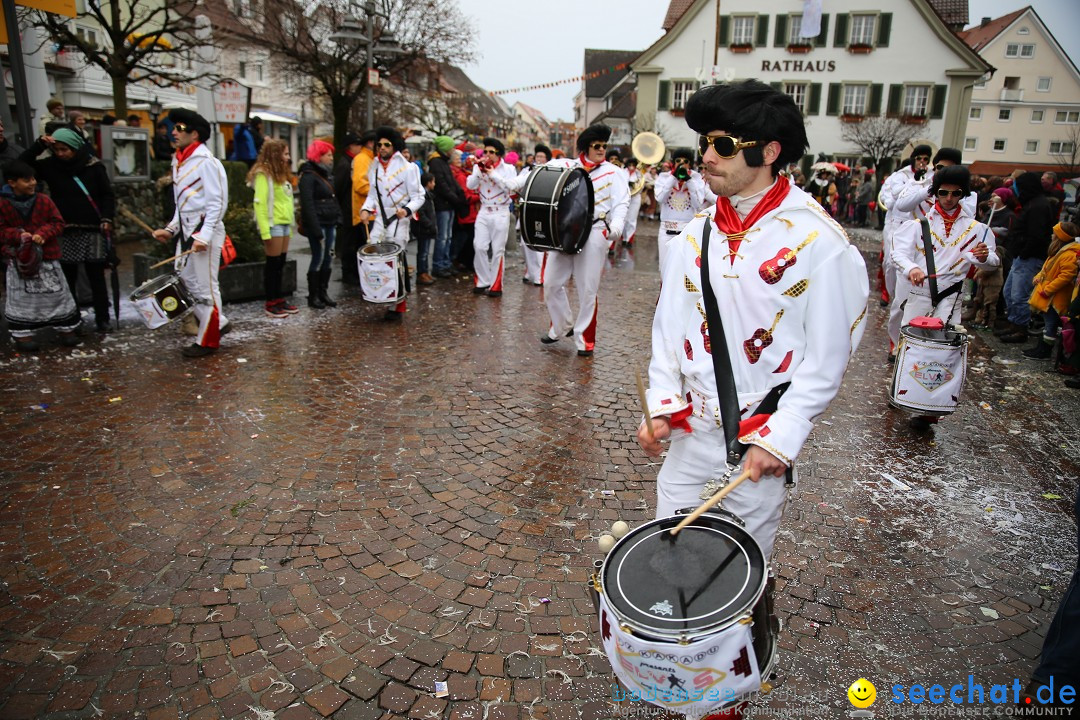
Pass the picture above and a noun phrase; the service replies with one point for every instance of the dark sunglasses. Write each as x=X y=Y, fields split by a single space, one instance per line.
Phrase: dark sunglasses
x=726 y=146
x=384 y=144
x=182 y=127
x=922 y=158
x=939 y=167
x=599 y=146
x=950 y=193
x=491 y=152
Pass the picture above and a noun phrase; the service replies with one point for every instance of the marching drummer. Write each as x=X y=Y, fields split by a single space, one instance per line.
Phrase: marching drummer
x=202 y=197
x=791 y=295
x=611 y=201
x=394 y=194
x=958 y=242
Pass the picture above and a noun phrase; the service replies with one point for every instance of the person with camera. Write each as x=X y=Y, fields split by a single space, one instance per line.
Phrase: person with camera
x=681 y=195
x=492 y=178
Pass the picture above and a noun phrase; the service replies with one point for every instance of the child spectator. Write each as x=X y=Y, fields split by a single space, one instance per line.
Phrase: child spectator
x=37 y=293
x=427 y=229
x=1054 y=287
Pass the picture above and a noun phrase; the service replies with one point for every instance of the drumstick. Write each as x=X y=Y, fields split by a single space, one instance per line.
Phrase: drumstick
x=710 y=502
x=136 y=219
x=644 y=404
x=174 y=257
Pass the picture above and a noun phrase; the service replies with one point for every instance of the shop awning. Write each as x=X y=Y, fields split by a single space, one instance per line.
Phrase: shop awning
x=274 y=117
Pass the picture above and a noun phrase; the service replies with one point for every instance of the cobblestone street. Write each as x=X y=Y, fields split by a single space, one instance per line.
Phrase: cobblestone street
x=332 y=514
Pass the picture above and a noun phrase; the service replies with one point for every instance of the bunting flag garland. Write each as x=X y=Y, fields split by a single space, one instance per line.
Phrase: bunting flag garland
x=565 y=81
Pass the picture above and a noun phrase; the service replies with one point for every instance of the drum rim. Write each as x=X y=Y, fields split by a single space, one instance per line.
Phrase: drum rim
x=951 y=339
x=374 y=254
x=682 y=633
x=151 y=286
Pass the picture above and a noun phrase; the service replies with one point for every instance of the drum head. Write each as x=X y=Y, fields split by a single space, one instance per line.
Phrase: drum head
x=379 y=249
x=575 y=211
x=711 y=573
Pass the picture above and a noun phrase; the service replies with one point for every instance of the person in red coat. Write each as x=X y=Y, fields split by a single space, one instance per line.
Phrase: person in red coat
x=37 y=293
x=465 y=228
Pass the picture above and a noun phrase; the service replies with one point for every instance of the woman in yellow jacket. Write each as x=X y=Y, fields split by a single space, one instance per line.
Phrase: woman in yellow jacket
x=1054 y=286
x=271 y=178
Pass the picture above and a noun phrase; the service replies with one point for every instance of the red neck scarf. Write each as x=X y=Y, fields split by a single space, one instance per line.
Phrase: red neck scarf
x=948 y=218
x=728 y=222
x=386 y=163
x=589 y=166
x=184 y=153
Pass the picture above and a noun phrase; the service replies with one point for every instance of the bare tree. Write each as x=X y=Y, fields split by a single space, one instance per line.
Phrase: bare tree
x=881 y=137
x=301 y=34
x=143 y=41
x=1069 y=157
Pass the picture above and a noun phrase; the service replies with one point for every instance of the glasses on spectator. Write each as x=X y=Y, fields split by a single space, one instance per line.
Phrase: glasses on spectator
x=384 y=144
x=950 y=193
x=726 y=146
x=598 y=146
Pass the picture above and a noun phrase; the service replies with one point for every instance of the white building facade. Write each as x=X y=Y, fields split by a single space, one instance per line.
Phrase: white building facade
x=1027 y=116
x=869 y=59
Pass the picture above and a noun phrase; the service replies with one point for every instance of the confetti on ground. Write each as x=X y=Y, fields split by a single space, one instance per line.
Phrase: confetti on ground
x=115 y=399
x=441 y=690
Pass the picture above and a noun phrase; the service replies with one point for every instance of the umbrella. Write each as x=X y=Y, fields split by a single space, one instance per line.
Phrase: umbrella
x=818 y=166
x=842 y=167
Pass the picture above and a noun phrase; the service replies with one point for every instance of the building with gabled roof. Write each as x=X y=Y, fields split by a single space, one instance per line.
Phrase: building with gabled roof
x=604 y=70
x=865 y=62
x=1027 y=115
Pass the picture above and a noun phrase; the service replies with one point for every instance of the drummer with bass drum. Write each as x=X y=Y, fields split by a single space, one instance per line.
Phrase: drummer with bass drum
x=201 y=191
x=611 y=198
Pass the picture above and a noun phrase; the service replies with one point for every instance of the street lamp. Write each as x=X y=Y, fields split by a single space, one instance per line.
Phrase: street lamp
x=155 y=111
x=352 y=31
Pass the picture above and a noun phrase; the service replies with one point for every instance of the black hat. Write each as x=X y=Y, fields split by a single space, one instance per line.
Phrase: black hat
x=947 y=153
x=921 y=150
x=752 y=111
x=952 y=175
x=351 y=138
x=495 y=143
x=682 y=154
x=367 y=137
x=594 y=133
x=193 y=120
x=542 y=148
x=388 y=133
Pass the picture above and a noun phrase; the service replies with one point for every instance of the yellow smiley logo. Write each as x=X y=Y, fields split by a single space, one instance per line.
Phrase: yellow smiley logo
x=862 y=693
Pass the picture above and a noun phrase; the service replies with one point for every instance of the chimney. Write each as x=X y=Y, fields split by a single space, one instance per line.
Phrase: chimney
x=985 y=22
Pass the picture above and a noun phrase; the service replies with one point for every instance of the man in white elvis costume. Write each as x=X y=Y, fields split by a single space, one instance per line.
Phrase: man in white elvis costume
x=201 y=191
x=633 y=176
x=681 y=195
x=611 y=199
x=492 y=179
x=394 y=195
x=905 y=196
x=791 y=292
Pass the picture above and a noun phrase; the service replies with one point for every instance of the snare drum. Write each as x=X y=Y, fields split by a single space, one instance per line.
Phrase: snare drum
x=557 y=209
x=687 y=622
x=382 y=273
x=931 y=365
x=162 y=299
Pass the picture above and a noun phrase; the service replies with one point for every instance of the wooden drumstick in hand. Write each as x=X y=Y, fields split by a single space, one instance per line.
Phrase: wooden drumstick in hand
x=710 y=502
x=166 y=261
x=644 y=404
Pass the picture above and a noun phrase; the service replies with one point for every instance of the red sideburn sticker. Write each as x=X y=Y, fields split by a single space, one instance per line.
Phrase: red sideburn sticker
x=689 y=350
x=787 y=362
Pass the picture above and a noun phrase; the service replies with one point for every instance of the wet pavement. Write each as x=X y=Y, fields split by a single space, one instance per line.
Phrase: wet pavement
x=333 y=514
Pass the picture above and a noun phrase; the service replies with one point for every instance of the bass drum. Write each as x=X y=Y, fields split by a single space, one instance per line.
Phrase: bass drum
x=557 y=209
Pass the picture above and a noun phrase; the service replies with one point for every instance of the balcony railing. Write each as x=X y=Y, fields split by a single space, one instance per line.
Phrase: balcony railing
x=1008 y=95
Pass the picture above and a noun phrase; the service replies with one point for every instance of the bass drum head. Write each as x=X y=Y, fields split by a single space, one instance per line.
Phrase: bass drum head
x=575 y=210
x=703 y=579
x=380 y=249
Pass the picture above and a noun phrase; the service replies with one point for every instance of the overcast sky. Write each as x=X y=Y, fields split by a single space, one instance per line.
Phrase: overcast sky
x=528 y=42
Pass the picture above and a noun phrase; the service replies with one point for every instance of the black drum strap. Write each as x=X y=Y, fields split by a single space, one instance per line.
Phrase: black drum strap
x=726 y=392
x=931 y=269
